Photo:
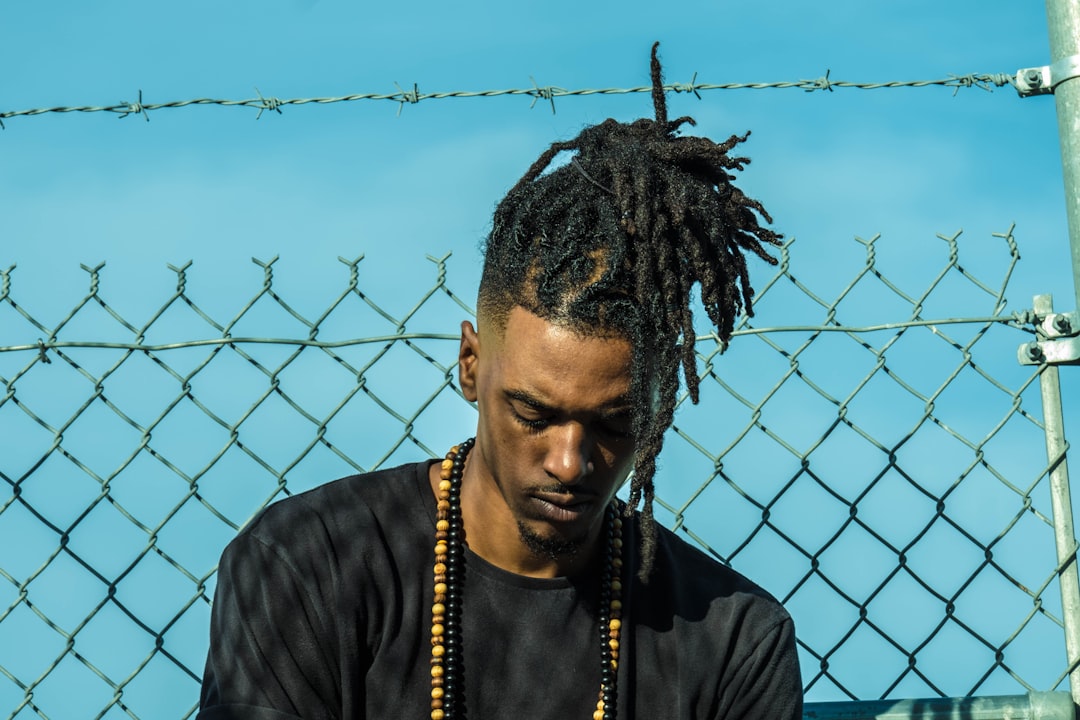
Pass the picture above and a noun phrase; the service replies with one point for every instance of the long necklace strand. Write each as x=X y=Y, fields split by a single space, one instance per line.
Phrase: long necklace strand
x=446 y=648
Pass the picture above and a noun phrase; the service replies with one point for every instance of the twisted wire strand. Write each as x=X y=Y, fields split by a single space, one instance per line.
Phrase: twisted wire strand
x=549 y=93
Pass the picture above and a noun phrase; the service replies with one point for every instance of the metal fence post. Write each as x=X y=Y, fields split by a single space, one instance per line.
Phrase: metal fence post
x=1060 y=498
x=1063 y=20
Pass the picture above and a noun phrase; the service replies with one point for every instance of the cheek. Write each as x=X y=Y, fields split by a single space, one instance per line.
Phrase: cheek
x=619 y=459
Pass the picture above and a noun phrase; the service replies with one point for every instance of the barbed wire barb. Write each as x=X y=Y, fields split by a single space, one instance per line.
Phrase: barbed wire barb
x=412 y=97
x=822 y=83
x=136 y=108
x=543 y=93
x=271 y=103
x=691 y=87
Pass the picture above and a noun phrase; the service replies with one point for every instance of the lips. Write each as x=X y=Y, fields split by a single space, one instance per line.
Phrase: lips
x=561 y=507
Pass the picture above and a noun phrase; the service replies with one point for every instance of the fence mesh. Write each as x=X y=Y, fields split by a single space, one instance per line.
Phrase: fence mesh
x=868 y=449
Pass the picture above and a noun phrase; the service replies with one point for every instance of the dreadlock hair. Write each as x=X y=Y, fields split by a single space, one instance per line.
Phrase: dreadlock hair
x=612 y=243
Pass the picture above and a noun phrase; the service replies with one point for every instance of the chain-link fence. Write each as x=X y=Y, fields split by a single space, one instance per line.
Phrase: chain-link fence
x=868 y=448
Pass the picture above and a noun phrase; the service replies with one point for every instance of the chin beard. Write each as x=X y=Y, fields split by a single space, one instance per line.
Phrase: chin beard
x=550 y=548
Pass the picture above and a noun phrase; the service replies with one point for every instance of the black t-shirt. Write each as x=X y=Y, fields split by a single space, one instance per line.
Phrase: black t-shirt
x=323 y=610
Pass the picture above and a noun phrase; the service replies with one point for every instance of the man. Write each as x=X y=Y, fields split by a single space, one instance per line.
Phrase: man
x=507 y=581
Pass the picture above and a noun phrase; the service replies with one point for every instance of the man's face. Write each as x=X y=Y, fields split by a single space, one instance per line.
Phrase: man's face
x=553 y=440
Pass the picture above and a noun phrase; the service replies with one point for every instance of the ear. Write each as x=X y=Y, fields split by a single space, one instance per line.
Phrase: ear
x=468 y=359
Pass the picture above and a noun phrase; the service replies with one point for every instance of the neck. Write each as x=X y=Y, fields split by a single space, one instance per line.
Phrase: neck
x=492 y=533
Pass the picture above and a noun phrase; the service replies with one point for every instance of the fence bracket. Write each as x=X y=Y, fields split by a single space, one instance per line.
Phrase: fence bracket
x=1042 y=80
x=1058 y=343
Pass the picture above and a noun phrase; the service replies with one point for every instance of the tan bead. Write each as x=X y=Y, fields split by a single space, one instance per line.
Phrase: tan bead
x=438 y=651
x=443 y=506
x=614 y=624
x=436 y=693
x=436 y=671
x=613 y=643
x=438 y=609
x=440 y=619
x=440 y=578
x=437 y=714
x=437 y=630
x=440 y=588
x=440 y=568
x=598 y=714
x=444 y=485
x=616 y=605
x=436 y=703
x=442 y=525
x=441 y=547
x=447 y=464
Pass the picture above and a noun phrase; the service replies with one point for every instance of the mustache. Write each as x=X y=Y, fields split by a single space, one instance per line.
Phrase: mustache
x=556 y=488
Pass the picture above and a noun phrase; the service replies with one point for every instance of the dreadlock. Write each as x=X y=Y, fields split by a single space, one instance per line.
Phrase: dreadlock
x=613 y=242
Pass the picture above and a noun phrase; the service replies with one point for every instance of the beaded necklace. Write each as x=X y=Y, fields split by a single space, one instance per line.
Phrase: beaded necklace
x=447 y=688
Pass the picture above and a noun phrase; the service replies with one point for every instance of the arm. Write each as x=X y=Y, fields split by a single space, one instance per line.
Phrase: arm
x=271 y=652
x=768 y=684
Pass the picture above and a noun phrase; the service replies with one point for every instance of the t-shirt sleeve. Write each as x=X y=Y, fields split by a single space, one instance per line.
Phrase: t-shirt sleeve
x=768 y=684
x=269 y=655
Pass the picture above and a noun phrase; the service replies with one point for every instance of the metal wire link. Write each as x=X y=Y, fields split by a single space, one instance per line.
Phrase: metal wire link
x=819 y=467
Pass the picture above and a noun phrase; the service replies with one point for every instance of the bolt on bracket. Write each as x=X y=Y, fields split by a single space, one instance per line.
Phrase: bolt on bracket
x=1043 y=80
x=1058 y=341
x=1063 y=351
x=1057 y=325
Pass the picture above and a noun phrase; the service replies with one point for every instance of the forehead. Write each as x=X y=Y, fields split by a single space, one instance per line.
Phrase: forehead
x=558 y=364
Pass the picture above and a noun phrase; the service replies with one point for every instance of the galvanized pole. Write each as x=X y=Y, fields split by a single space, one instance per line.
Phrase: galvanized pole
x=1063 y=18
x=1063 y=21
x=1061 y=502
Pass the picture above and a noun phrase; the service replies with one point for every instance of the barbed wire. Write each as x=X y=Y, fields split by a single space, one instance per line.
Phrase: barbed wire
x=985 y=81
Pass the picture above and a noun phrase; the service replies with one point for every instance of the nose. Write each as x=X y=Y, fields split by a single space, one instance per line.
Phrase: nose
x=569 y=454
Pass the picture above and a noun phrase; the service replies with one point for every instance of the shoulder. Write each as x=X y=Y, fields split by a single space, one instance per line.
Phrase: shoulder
x=692 y=587
x=732 y=640
x=351 y=511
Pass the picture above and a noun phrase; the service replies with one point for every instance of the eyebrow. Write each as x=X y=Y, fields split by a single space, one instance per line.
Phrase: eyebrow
x=618 y=407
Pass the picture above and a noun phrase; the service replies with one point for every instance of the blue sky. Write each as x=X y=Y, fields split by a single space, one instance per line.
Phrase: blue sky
x=217 y=186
